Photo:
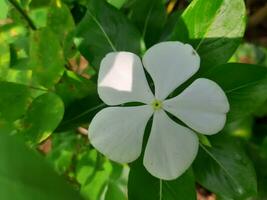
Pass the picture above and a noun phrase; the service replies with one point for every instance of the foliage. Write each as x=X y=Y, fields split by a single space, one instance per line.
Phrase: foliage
x=50 y=52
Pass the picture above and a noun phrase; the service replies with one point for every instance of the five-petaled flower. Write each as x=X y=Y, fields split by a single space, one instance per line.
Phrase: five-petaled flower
x=118 y=131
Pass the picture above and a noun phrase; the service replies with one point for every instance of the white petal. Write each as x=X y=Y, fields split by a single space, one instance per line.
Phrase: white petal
x=202 y=106
x=171 y=148
x=170 y=64
x=117 y=132
x=122 y=79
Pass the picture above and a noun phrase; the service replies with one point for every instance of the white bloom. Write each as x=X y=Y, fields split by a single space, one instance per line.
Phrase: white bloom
x=118 y=132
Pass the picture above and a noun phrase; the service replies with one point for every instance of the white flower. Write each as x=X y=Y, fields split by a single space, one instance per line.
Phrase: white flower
x=118 y=132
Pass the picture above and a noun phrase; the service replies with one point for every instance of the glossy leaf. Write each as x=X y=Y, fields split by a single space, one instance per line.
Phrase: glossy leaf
x=245 y=87
x=149 y=17
x=42 y=117
x=217 y=33
x=26 y=176
x=225 y=169
x=142 y=185
x=46 y=57
x=105 y=29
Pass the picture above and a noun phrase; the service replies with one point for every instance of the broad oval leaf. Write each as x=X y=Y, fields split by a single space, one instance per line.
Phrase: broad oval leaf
x=142 y=185
x=245 y=86
x=60 y=20
x=42 y=117
x=225 y=169
x=213 y=27
x=14 y=101
x=46 y=57
x=105 y=29
x=149 y=16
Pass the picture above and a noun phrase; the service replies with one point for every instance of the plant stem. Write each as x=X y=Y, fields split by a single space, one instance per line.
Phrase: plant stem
x=160 y=189
x=23 y=13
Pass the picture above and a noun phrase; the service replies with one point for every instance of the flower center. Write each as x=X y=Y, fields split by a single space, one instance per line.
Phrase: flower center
x=156 y=104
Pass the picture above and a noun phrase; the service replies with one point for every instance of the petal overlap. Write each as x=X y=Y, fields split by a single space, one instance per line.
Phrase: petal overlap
x=202 y=106
x=170 y=64
x=171 y=148
x=117 y=132
x=122 y=79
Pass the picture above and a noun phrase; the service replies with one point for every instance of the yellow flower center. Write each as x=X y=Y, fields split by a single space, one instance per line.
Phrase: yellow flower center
x=156 y=104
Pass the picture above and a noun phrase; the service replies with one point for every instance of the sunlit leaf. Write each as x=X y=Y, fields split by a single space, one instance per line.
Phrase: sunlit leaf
x=42 y=117
x=46 y=57
x=217 y=33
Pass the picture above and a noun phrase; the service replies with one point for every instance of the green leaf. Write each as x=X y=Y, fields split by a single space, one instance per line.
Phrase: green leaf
x=142 y=185
x=60 y=20
x=117 y=3
x=114 y=192
x=213 y=27
x=170 y=24
x=149 y=16
x=117 y=183
x=80 y=114
x=39 y=16
x=74 y=87
x=93 y=174
x=3 y=9
x=26 y=176
x=14 y=101
x=4 y=55
x=17 y=76
x=42 y=117
x=38 y=3
x=81 y=107
x=245 y=87
x=105 y=29
x=225 y=169
x=100 y=178
x=258 y=153
x=64 y=148
x=12 y=32
x=46 y=57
